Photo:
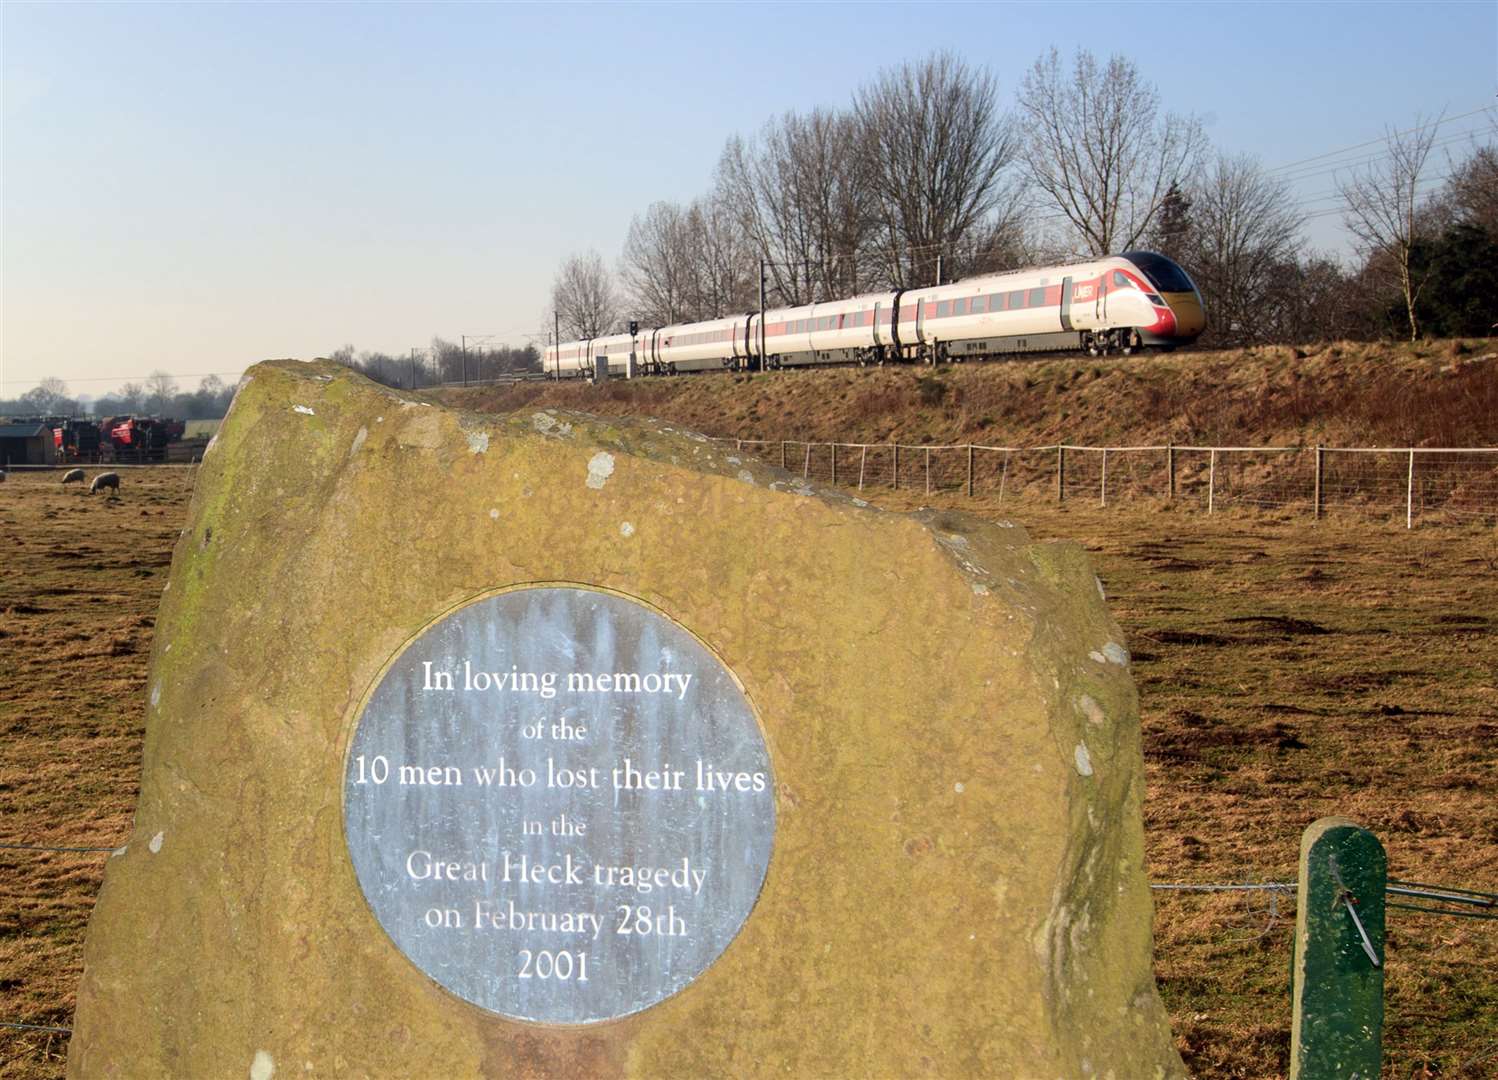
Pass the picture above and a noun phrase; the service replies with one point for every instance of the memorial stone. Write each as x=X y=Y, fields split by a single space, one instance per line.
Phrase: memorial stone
x=544 y=745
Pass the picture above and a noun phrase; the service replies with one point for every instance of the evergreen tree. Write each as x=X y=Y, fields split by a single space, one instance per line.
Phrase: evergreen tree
x=1171 y=233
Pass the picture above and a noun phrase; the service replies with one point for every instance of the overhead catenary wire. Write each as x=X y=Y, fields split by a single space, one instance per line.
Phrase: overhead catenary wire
x=1352 y=164
x=1382 y=138
x=1327 y=163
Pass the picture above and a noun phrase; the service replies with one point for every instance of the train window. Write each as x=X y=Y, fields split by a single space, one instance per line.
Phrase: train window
x=959 y=307
x=1164 y=274
x=1120 y=280
x=996 y=302
x=942 y=307
x=1037 y=298
x=1016 y=299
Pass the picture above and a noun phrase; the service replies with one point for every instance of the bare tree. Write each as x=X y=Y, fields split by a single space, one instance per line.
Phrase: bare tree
x=159 y=391
x=937 y=156
x=583 y=296
x=657 y=264
x=49 y=398
x=1472 y=190
x=726 y=277
x=799 y=197
x=1383 y=204
x=1100 y=151
x=1244 y=229
x=132 y=397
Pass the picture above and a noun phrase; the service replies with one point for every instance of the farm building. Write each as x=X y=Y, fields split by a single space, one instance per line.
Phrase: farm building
x=26 y=443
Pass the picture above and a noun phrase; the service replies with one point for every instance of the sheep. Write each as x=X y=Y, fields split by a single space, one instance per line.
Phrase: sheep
x=73 y=476
x=105 y=480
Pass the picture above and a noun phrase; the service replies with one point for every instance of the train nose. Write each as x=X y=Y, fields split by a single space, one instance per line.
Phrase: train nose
x=1190 y=318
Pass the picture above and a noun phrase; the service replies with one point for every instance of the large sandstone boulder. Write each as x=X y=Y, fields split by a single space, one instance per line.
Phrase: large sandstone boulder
x=949 y=879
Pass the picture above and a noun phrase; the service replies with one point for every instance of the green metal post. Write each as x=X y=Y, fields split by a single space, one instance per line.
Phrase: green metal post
x=1337 y=1024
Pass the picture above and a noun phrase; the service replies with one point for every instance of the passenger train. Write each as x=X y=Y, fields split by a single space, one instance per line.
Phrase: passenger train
x=1121 y=303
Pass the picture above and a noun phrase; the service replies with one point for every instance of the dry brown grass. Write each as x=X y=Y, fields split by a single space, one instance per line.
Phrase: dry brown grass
x=1286 y=671
x=78 y=593
x=1440 y=393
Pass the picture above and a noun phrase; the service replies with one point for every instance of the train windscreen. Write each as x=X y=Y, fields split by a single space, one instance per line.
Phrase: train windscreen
x=1163 y=272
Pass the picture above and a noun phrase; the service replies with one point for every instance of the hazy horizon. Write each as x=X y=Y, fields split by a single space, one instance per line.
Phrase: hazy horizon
x=197 y=188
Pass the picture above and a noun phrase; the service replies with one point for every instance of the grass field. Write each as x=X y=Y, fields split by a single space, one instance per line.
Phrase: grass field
x=1286 y=671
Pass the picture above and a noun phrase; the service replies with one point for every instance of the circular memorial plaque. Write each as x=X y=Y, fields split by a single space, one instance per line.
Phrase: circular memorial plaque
x=559 y=804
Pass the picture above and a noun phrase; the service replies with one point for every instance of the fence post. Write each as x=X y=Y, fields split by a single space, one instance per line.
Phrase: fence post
x=782 y=453
x=1004 y=476
x=863 y=458
x=897 y=466
x=970 y=470
x=1061 y=474
x=806 y=465
x=1409 y=494
x=928 y=470
x=1170 y=467
x=834 y=464
x=1338 y=992
x=1212 y=480
x=1105 y=478
x=1318 y=481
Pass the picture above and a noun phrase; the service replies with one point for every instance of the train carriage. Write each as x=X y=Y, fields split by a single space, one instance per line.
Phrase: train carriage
x=1117 y=303
x=704 y=346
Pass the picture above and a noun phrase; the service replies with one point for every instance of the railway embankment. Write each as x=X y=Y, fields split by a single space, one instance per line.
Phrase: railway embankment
x=1429 y=393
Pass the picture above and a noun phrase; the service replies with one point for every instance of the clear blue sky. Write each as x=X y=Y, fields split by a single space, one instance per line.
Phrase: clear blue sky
x=198 y=187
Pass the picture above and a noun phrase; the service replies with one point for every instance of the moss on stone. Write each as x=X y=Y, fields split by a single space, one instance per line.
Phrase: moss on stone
x=956 y=888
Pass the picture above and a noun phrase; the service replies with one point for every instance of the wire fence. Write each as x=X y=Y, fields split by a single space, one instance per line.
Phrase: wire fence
x=1454 y=484
x=1431 y=899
